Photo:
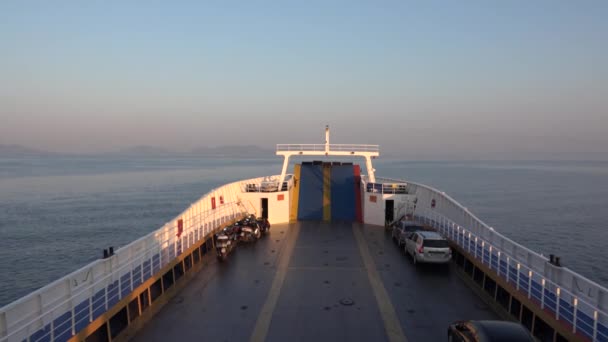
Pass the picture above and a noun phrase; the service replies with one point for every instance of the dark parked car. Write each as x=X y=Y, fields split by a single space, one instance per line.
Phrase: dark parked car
x=489 y=331
x=402 y=230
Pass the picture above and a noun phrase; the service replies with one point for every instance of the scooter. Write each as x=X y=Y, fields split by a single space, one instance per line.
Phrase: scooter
x=264 y=224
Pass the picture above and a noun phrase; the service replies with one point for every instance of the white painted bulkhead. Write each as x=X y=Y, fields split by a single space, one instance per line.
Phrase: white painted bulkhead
x=278 y=205
x=374 y=206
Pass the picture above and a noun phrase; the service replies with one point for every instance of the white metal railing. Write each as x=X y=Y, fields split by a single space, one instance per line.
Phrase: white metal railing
x=573 y=298
x=386 y=188
x=332 y=147
x=267 y=184
x=43 y=311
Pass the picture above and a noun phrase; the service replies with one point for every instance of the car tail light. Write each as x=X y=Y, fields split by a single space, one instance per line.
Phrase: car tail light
x=420 y=249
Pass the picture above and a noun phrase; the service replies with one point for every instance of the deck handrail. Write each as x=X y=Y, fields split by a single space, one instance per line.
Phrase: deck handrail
x=33 y=314
x=134 y=261
x=449 y=215
x=494 y=261
x=442 y=211
x=332 y=147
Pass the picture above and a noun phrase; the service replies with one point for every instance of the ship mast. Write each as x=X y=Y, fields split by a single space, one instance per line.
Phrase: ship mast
x=339 y=150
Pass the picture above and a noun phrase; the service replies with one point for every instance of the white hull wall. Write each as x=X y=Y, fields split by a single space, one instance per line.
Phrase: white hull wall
x=373 y=212
x=278 y=210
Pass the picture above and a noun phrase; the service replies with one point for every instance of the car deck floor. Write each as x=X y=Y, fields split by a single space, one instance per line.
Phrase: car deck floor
x=317 y=281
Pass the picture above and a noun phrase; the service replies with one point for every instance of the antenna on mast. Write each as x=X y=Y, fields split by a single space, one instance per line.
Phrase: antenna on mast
x=326 y=139
x=342 y=150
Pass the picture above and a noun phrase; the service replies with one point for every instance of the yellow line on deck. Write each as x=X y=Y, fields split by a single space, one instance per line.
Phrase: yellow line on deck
x=389 y=316
x=262 y=325
x=327 y=193
x=295 y=194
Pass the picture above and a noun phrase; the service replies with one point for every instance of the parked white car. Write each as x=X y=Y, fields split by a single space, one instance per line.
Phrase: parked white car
x=428 y=247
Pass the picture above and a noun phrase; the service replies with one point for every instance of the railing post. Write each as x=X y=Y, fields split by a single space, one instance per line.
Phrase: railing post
x=52 y=324
x=160 y=259
x=498 y=263
x=508 y=269
x=131 y=274
x=530 y=284
x=557 y=299
x=490 y=261
x=518 y=267
x=174 y=248
x=595 y=319
x=105 y=289
x=119 y=286
x=542 y=295
x=476 y=248
x=73 y=317
x=575 y=304
x=91 y=304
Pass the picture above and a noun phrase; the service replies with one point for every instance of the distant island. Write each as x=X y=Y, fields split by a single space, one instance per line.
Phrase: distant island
x=217 y=151
x=7 y=151
x=233 y=151
x=15 y=151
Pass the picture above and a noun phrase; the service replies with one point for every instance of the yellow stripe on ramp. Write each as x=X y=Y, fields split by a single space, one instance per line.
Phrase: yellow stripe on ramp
x=262 y=325
x=389 y=316
x=327 y=192
x=294 y=194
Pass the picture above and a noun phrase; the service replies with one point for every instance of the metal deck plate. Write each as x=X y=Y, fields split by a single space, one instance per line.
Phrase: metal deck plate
x=326 y=270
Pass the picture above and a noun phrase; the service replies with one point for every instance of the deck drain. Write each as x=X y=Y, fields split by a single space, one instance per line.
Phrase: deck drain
x=244 y=307
x=481 y=306
x=347 y=301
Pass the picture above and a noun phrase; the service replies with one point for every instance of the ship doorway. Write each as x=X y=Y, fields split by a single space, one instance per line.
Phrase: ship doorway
x=265 y=208
x=389 y=211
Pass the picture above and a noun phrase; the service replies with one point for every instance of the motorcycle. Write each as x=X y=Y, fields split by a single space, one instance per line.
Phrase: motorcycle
x=225 y=242
x=264 y=224
x=250 y=230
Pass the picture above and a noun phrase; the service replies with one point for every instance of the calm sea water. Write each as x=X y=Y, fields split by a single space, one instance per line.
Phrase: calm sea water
x=57 y=214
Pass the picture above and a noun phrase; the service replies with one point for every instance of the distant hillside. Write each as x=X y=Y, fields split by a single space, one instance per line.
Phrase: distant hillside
x=144 y=150
x=233 y=151
x=22 y=151
x=10 y=151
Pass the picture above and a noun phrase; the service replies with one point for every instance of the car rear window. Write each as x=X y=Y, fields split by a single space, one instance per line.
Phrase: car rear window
x=435 y=243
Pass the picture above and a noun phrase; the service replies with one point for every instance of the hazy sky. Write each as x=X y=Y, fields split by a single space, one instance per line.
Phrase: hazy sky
x=461 y=79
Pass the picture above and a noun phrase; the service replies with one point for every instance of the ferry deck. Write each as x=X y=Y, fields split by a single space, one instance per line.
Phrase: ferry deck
x=328 y=270
x=316 y=281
